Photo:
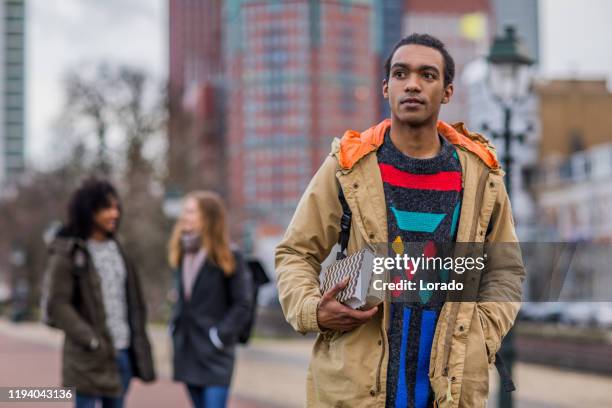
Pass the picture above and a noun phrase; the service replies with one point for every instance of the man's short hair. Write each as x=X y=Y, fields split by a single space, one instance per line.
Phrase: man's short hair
x=430 y=41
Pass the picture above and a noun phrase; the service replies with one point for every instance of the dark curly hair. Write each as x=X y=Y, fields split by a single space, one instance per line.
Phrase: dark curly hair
x=430 y=41
x=93 y=195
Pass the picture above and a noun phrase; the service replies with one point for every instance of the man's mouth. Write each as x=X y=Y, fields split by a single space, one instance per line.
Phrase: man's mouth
x=411 y=101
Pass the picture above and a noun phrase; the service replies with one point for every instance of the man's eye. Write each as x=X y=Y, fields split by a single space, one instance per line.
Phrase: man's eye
x=429 y=75
x=398 y=74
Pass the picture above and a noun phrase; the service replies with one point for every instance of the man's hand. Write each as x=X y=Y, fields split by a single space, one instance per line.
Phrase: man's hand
x=333 y=315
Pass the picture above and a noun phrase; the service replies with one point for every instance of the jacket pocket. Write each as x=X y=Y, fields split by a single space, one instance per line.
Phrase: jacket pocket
x=476 y=365
x=337 y=335
x=91 y=370
x=329 y=335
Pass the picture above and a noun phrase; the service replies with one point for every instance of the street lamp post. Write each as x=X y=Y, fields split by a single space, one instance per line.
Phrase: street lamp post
x=509 y=80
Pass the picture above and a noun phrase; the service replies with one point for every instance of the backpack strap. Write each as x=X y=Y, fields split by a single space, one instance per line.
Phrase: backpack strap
x=345 y=226
x=504 y=375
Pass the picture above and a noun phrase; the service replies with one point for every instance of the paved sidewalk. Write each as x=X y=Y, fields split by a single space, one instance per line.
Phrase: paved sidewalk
x=30 y=356
x=269 y=373
x=26 y=363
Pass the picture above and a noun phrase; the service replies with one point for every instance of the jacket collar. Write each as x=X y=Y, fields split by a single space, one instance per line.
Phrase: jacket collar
x=363 y=188
x=354 y=145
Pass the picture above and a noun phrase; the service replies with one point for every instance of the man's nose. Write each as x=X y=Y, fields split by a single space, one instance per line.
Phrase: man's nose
x=412 y=84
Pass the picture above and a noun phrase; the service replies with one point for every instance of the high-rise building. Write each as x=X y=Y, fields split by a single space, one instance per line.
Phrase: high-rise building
x=300 y=73
x=196 y=92
x=12 y=55
x=464 y=27
x=388 y=29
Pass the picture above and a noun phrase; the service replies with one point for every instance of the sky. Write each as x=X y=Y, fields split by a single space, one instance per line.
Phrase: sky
x=64 y=35
x=67 y=34
x=575 y=37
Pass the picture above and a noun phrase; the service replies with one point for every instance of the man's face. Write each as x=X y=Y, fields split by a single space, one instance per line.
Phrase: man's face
x=415 y=88
x=106 y=219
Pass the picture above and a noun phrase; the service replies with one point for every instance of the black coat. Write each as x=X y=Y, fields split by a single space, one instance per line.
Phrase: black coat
x=216 y=301
x=75 y=305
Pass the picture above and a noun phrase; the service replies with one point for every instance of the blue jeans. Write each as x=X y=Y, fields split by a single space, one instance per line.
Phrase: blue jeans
x=125 y=371
x=208 y=397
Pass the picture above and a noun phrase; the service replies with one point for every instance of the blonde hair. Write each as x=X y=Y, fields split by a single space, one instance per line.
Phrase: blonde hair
x=214 y=233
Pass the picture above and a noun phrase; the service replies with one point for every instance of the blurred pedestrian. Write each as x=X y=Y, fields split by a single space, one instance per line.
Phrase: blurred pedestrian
x=214 y=300
x=94 y=296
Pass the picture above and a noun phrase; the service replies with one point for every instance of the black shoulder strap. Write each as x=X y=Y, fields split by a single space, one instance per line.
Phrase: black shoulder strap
x=345 y=226
x=504 y=375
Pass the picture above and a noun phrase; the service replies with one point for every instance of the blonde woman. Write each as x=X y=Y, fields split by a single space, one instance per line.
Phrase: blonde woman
x=214 y=301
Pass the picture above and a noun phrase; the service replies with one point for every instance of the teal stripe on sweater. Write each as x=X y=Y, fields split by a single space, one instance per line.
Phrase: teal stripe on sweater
x=417 y=221
x=455 y=219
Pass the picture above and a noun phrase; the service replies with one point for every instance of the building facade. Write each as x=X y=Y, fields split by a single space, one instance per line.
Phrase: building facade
x=575 y=115
x=388 y=30
x=196 y=96
x=12 y=99
x=574 y=183
x=575 y=195
x=300 y=73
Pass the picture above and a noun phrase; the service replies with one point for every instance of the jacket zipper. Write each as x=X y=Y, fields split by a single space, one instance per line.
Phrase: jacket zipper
x=454 y=311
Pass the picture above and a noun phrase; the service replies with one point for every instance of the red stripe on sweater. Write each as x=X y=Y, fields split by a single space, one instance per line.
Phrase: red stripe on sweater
x=441 y=181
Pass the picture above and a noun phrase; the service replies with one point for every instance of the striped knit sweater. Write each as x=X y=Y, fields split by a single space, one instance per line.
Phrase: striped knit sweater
x=423 y=198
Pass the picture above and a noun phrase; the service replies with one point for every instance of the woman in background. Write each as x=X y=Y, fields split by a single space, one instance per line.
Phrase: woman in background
x=92 y=292
x=214 y=300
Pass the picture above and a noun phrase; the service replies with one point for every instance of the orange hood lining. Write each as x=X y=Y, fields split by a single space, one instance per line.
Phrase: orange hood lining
x=355 y=145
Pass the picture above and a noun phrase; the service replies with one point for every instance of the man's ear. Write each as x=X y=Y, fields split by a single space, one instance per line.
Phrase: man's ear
x=385 y=89
x=448 y=92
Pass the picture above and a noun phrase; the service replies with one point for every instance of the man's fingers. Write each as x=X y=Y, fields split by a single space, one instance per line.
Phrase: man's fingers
x=337 y=288
x=351 y=324
x=344 y=312
x=348 y=320
x=363 y=315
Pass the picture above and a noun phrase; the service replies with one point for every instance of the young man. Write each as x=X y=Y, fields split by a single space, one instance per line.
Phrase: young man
x=94 y=296
x=408 y=179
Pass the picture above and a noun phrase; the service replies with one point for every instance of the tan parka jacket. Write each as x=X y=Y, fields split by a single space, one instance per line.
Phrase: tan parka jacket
x=350 y=369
